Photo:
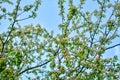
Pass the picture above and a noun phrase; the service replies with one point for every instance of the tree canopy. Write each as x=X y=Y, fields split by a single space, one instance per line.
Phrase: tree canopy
x=75 y=53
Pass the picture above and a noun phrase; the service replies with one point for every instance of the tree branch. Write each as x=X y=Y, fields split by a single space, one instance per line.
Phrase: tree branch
x=16 y=12
x=113 y=46
x=33 y=67
x=37 y=66
x=24 y=18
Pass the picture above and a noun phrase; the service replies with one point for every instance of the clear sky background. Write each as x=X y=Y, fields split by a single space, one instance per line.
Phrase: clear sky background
x=48 y=17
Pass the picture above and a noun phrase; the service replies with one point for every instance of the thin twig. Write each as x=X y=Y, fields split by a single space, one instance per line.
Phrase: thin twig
x=113 y=46
x=24 y=18
x=37 y=66
x=33 y=67
x=11 y=27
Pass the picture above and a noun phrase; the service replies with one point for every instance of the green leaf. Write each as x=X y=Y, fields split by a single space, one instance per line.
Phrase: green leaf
x=28 y=7
x=52 y=65
x=81 y=55
x=115 y=58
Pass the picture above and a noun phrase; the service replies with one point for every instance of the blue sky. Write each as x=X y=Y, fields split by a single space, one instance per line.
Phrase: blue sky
x=48 y=18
